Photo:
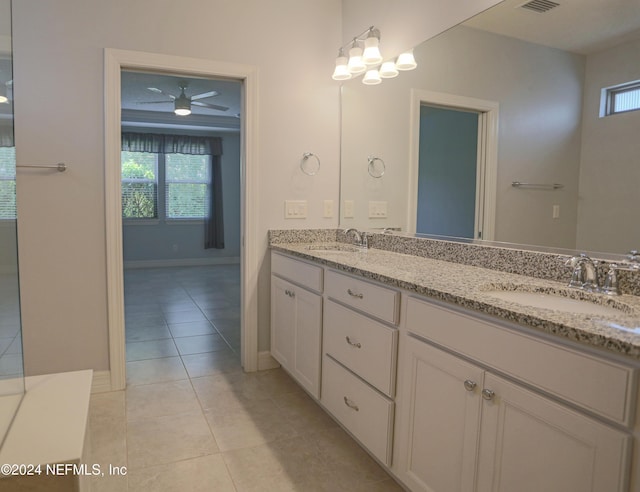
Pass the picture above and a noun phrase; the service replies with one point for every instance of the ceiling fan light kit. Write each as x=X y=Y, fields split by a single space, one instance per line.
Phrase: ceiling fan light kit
x=182 y=104
x=370 y=60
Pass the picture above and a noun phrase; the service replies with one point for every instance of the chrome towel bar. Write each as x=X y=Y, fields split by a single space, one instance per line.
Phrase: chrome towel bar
x=554 y=186
x=60 y=166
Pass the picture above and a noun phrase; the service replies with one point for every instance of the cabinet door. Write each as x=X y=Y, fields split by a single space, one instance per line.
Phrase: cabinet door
x=283 y=315
x=530 y=443
x=296 y=332
x=308 y=336
x=441 y=411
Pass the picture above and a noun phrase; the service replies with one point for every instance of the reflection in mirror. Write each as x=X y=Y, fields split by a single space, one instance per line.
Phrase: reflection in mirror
x=545 y=75
x=11 y=368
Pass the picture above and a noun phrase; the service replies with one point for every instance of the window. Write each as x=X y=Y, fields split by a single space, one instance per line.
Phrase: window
x=187 y=185
x=621 y=98
x=7 y=183
x=139 y=185
x=185 y=178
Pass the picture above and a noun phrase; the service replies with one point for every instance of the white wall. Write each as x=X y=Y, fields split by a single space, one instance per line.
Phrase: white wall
x=58 y=49
x=538 y=135
x=404 y=24
x=610 y=166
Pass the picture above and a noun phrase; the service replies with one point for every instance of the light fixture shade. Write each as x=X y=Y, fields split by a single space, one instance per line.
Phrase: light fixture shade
x=388 y=70
x=371 y=55
x=342 y=71
x=406 y=61
x=183 y=105
x=372 y=77
x=356 y=65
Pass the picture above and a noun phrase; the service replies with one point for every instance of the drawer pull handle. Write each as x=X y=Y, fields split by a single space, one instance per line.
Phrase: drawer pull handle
x=353 y=294
x=487 y=394
x=350 y=404
x=470 y=385
x=353 y=344
x=290 y=293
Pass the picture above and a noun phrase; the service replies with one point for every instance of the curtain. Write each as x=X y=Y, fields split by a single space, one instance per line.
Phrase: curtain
x=188 y=144
x=213 y=223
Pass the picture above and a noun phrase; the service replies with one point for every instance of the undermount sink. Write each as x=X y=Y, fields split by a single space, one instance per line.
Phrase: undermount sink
x=334 y=248
x=559 y=302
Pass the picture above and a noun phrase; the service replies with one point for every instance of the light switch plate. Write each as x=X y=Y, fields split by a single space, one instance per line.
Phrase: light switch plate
x=295 y=209
x=377 y=210
x=349 y=206
x=328 y=209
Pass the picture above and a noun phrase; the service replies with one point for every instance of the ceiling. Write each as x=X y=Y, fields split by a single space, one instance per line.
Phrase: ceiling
x=579 y=26
x=136 y=96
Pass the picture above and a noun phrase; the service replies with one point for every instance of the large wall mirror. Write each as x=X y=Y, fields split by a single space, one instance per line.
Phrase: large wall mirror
x=534 y=84
x=11 y=367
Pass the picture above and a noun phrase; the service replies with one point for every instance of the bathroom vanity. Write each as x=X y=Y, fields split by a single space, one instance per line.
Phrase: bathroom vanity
x=453 y=386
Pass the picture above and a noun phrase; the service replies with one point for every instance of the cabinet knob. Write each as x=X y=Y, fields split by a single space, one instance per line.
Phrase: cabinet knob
x=353 y=344
x=350 y=404
x=487 y=394
x=353 y=294
x=470 y=385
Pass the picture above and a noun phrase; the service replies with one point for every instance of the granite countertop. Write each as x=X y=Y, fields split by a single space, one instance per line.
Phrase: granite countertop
x=471 y=287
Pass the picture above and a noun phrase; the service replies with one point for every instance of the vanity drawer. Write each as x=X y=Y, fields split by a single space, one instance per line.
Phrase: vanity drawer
x=362 y=410
x=380 y=302
x=298 y=272
x=363 y=345
x=599 y=385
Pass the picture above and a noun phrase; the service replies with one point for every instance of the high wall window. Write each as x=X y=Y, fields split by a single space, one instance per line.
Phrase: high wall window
x=621 y=98
x=7 y=183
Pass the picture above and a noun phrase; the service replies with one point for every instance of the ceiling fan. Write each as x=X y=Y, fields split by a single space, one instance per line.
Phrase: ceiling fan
x=183 y=103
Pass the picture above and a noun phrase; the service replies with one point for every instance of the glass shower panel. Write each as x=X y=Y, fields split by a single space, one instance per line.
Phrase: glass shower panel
x=11 y=367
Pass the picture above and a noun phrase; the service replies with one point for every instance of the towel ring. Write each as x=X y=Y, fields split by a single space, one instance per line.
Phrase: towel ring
x=376 y=167
x=310 y=164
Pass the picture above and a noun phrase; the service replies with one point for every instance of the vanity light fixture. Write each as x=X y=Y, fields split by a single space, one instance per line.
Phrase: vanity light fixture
x=369 y=60
x=3 y=94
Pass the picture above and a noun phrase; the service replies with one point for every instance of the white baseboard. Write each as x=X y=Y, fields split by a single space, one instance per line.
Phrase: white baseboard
x=221 y=260
x=265 y=361
x=101 y=382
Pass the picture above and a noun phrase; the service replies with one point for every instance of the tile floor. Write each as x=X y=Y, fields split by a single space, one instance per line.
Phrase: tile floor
x=191 y=419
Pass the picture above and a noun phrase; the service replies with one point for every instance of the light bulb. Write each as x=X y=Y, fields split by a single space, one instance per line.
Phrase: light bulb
x=356 y=65
x=371 y=55
x=342 y=71
x=406 y=61
x=372 y=77
x=388 y=70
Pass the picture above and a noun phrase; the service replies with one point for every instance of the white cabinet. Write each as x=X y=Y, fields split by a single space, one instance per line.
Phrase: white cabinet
x=296 y=330
x=359 y=364
x=463 y=428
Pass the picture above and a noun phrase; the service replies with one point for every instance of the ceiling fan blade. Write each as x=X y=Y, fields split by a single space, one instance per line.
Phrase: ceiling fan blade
x=204 y=95
x=154 y=102
x=160 y=91
x=210 y=106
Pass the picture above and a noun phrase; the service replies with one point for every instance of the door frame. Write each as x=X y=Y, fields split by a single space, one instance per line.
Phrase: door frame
x=116 y=60
x=486 y=178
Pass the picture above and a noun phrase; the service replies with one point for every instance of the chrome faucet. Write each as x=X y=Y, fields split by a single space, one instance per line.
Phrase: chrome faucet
x=361 y=237
x=585 y=274
x=632 y=264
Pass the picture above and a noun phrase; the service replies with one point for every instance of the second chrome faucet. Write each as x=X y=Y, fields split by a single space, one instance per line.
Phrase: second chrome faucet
x=361 y=238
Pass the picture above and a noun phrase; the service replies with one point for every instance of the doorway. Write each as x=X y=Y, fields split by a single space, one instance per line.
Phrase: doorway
x=453 y=161
x=115 y=62
x=181 y=225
